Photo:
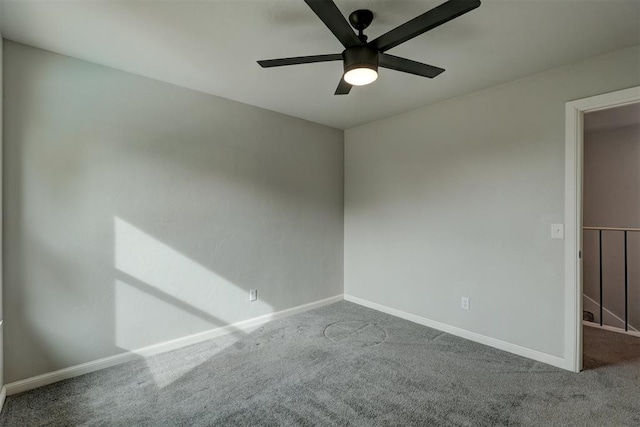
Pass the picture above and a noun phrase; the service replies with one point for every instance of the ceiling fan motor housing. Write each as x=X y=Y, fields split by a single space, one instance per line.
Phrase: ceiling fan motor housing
x=361 y=19
x=360 y=57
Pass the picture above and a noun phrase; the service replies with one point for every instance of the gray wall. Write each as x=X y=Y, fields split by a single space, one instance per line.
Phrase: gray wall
x=611 y=195
x=1 y=211
x=612 y=177
x=139 y=212
x=457 y=199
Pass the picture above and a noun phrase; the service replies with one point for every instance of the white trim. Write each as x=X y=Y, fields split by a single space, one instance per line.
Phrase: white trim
x=611 y=229
x=85 y=368
x=3 y=391
x=574 y=112
x=610 y=328
x=463 y=333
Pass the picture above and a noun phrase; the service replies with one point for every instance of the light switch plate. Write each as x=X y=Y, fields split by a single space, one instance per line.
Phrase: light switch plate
x=557 y=231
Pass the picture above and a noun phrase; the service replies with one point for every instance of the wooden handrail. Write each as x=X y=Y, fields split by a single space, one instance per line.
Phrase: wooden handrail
x=611 y=228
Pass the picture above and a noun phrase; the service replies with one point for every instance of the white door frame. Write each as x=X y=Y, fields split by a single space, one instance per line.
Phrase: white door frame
x=3 y=390
x=574 y=143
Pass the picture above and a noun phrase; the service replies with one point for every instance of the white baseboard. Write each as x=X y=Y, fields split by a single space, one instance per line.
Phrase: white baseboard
x=3 y=395
x=611 y=328
x=250 y=324
x=107 y=362
x=463 y=333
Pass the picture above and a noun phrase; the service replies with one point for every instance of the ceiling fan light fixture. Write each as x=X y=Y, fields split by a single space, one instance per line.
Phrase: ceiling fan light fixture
x=360 y=65
x=361 y=76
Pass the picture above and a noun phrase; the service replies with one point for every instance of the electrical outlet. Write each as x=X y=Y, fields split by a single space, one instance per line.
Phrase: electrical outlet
x=465 y=303
x=253 y=294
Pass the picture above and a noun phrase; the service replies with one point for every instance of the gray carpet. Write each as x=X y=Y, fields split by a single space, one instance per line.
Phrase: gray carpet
x=338 y=365
x=605 y=348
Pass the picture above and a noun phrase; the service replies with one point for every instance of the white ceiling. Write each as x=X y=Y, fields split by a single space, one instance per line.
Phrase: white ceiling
x=212 y=46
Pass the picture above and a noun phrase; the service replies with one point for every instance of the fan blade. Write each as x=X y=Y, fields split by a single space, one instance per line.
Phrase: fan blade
x=267 y=63
x=423 y=23
x=343 y=87
x=408 y=66
x=329 y=13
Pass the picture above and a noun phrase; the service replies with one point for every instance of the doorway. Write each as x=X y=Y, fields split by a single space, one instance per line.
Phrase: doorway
x=611 y=236
x=574 y=245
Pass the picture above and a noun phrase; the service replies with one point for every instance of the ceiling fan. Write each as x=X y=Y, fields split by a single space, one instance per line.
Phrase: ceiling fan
x=361 y=58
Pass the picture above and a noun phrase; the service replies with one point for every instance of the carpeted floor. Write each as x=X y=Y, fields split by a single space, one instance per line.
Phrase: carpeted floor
x=605 y=348
x=339 y=365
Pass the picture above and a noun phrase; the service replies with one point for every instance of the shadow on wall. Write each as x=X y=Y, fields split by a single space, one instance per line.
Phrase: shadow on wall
x=158 y=291
x=139 y=212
